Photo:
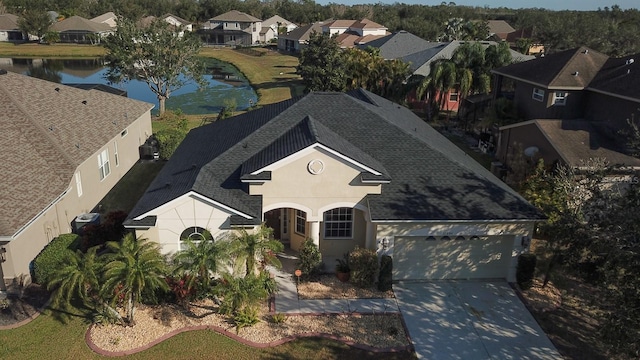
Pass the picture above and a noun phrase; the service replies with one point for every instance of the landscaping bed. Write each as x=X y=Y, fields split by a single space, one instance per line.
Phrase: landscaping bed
x=327 y=286
x=154 y=322
x=16 y=308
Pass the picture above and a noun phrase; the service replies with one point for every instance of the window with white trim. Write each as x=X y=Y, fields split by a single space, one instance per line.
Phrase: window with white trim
x=453 y=97
x=103 y=164
x=301 y=222
x=559 y=98
x=195 y=234
x=338 y=223
x=115 y=153
x=78 y=183
x=538 y=94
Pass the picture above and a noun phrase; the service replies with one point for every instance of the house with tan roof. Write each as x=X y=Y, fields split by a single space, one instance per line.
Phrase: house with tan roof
x=232 y=28
x=344 y=170
x=9 y=29
x=108 y=18
x=79 y=30
x=275 y=26
x=499 y=29
x=296 y=40
x=61 y=150
x=576 y=104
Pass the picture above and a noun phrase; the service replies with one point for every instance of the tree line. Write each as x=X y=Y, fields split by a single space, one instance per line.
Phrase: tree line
x=610 y=30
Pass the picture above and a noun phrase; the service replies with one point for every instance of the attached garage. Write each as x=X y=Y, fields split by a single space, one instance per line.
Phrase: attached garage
x=455 y=257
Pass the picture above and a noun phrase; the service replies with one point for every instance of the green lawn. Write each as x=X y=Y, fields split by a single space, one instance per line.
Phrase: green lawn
x=130 y=188
x=47 y=338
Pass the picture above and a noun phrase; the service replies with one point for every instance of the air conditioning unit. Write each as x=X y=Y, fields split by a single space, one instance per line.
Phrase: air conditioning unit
x=83 y=220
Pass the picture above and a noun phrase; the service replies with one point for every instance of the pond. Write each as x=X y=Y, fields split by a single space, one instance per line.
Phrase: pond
x=225 y=85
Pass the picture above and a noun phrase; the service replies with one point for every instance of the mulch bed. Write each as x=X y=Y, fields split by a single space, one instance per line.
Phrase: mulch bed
x=19 y=308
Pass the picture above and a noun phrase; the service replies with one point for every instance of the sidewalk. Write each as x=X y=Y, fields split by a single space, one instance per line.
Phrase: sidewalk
x=287 y=297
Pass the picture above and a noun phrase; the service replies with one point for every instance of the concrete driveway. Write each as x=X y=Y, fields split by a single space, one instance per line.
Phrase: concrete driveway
x=470 y=320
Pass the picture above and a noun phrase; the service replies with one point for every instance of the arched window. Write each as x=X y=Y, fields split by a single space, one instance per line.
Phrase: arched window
x=195 y=234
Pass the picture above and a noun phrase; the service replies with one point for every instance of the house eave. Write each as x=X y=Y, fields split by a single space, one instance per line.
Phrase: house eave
x=628 y=98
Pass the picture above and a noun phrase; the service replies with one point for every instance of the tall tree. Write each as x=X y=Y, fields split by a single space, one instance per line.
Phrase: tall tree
x=322 y=65
x=156 y=55
x=255 y=250
x=35 y=22
x=136 y=264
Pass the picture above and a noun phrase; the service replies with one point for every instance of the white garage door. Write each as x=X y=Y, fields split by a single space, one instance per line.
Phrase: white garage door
x=417 y=258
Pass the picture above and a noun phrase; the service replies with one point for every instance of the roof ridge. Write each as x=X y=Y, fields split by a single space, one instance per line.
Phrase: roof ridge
x=577 y=51
x=39 y=127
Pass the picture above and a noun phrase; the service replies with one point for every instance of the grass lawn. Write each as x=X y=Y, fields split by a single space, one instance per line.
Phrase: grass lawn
x=484 y=159
x=48 y=338
x=130 y=188
x=57 y=50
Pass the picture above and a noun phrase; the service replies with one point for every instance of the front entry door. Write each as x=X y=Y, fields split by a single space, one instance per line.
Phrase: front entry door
x=273 y=220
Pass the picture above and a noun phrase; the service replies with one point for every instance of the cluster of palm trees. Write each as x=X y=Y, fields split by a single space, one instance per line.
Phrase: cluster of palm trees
x=126 y=271
x=468 y=71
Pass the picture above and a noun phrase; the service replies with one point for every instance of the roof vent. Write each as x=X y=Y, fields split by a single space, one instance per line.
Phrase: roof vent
x=84 y=102
x=586 y=51
x=3 y=72
x=576 y=73
x=629 y=62
x=57 y=89
x=628 y=71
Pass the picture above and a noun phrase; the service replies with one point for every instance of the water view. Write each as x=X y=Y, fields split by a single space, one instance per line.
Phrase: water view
x=225 y=84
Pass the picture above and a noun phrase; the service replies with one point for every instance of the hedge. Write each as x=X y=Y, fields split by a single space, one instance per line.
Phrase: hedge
x=364 y=264
x=525 y=270
x=51 y=257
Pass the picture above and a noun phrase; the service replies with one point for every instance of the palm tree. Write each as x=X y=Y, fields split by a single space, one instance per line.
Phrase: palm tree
x=255 y=250
x=136 y=264
x=203 y=259
x=79 y=277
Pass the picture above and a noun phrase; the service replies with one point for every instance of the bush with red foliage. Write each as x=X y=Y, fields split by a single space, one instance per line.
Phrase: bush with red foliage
x=111 y=229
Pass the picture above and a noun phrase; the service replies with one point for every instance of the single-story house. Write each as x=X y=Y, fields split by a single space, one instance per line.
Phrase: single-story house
x=61 y=150
x=9 y=30
x=76 y=29
x=344 y=170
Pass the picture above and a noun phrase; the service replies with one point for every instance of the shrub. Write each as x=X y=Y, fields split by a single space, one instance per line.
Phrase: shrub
x=385 y=279
x=525 y=270
x=364 y=264
x=111 y=229
x=52 y=256
x=168 y=140
x=309 y=259
x=240 y=293
x=278 y=318
x=245 y=318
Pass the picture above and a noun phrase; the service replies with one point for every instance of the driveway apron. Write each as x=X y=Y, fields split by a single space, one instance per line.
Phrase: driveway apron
x=470 y=320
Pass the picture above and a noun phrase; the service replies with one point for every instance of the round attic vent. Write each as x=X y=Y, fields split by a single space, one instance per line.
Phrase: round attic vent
x=315 y=166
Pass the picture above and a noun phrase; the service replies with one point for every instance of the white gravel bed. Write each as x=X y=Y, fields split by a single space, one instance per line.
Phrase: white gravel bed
x=379 y=331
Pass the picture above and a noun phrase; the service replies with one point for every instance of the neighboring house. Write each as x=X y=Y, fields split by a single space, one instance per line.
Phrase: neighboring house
x=79 y=30
x=108 y=18
x=232 y=28
x=499 y=29
x=600 y=93
x=344 y=170
x=178 y=22
x=61 y=150
x=534 y=48
x=275 y=26
x=296 y=40
x=9 y=30
x=350 y=33
x=563 y=142
x=427 y=52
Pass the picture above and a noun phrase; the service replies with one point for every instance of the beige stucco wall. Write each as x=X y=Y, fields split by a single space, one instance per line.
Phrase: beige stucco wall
x=338 y=247
x=186 y=211
x=389 y=231
x=57 y=219
x=292 y=185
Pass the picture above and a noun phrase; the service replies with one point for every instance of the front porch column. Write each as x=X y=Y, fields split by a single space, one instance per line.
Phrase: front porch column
x=314 y=232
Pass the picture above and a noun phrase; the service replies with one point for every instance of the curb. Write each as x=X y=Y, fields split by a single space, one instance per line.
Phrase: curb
x=27 y=320
x=244 y=341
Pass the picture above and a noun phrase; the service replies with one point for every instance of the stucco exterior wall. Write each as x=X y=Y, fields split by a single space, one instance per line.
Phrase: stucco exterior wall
x=57 y=218
x=182 y=213
x=336 y=248
x=386 y=233
x=292 y=185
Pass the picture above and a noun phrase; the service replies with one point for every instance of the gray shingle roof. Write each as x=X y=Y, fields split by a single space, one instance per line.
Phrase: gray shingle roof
x=303 y=33
x=431 y=178
x=235 y=15
x=398 y=45
x=48 y=130
x=619 y=77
